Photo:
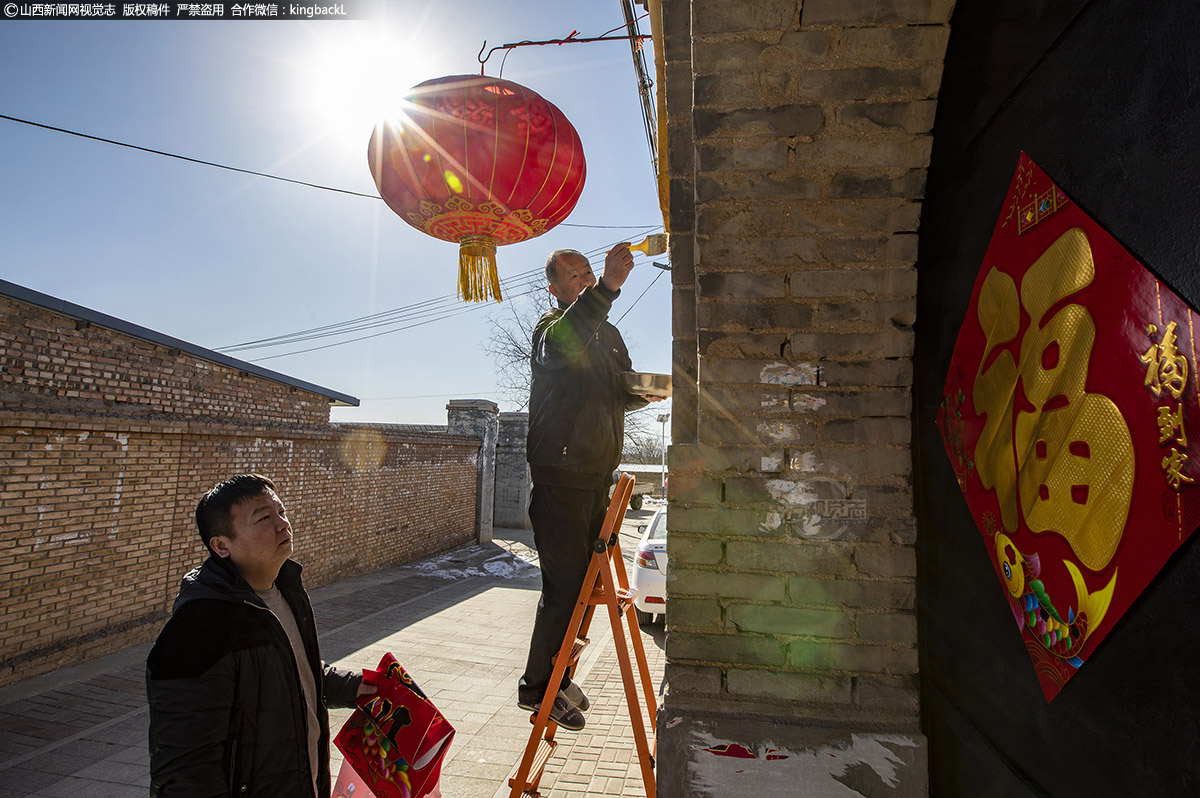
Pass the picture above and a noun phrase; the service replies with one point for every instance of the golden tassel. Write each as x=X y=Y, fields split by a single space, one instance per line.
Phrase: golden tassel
x=477 y=278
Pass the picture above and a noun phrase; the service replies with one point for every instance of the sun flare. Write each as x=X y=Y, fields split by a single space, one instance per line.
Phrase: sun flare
x=354 y=79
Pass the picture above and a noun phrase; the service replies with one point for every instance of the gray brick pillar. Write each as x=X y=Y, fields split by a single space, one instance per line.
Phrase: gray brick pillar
x=798 y=138
x=513 y=482
x=479 y=417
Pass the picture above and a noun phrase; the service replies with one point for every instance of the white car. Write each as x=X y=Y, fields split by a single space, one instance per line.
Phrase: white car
x=649 y=575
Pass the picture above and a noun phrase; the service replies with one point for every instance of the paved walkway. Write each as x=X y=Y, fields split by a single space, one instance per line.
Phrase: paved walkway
x=459 y=623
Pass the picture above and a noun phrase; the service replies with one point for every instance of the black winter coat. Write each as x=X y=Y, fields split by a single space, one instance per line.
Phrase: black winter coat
x=577 y=400
x=227 y=713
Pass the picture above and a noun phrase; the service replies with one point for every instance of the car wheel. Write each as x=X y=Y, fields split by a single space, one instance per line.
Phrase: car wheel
x=643 y=618
x=635 y=501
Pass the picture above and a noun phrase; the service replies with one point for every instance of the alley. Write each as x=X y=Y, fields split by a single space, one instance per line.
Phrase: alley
x=459 y=622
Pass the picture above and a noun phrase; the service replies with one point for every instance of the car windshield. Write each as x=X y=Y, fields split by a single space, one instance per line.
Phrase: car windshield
x=658 y=527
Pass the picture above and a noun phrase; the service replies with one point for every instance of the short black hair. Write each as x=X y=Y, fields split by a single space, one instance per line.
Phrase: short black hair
x=212 y=511
x=552 y=262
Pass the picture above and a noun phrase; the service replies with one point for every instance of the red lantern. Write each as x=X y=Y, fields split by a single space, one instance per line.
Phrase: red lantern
x=481 y=161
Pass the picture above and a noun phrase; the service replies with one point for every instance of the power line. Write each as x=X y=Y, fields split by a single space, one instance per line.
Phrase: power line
x=570 y=39
x=394 y=315
x=644 y=83
x=267 y=175
x=420 y=319
x=423 y=396
x=535 y=289
x=639 y=299
x=437 y=308
x=432 y=309
x=183 y=157
x=376 y=335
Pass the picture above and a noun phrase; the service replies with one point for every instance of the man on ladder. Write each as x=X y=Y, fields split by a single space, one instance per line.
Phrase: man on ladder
x=577 y=406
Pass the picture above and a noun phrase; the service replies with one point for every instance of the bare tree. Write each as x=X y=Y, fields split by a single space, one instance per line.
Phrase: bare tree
x=511 y=344
x=643 y=443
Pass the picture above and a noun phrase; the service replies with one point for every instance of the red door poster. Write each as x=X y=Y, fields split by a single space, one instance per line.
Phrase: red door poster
x=1070 y=408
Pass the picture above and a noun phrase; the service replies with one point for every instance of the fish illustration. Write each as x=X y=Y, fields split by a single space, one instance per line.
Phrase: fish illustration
x=1033 y=608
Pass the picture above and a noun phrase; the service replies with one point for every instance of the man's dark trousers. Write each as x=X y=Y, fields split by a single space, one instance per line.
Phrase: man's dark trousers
x=566 y=521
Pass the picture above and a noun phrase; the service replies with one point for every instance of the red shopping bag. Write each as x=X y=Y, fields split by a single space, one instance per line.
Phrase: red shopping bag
x=396 y=739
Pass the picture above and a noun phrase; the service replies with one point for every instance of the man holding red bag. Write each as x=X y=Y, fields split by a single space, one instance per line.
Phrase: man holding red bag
x=237 y=689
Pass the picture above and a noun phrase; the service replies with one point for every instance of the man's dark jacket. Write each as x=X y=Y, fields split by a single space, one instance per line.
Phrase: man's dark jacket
x=578 y=400
x=227 y=714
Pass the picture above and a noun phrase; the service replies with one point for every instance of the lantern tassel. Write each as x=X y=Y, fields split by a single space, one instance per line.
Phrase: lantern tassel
x=477 y=278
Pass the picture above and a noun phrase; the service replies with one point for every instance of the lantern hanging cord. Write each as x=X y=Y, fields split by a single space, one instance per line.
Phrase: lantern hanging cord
x=572 y=38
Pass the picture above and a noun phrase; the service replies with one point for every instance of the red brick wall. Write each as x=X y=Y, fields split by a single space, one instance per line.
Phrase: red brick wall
x=96 y=506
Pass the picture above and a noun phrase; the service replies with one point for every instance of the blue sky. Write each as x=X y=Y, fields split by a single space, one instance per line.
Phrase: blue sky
x=218 y=258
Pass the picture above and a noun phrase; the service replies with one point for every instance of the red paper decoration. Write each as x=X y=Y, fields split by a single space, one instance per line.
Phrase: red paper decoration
x=1070 y=419
x=480 y=161
x=396 y=739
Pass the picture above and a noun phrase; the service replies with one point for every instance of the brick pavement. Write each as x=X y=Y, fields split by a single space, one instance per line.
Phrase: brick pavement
x=459 y=622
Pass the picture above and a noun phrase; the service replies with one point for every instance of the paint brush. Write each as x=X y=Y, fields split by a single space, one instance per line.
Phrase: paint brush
x=654 y=244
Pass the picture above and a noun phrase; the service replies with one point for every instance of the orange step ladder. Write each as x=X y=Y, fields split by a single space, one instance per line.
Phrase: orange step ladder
x=606 y=584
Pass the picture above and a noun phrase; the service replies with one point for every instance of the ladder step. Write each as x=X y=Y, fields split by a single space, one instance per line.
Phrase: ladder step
x=544 y=751
x=625 y=597
x=580 y=644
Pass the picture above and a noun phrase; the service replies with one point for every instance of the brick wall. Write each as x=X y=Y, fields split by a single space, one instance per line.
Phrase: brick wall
x=799 y=134
x=46 y=358
x=106 y=443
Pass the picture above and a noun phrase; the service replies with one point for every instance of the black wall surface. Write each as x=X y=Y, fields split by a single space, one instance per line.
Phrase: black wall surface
x=1105 y=97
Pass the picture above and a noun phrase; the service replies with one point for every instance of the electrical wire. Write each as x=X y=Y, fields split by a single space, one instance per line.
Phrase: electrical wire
x=267 y=175
x=382 y=318
x=430 y=310
x=639 y=299
x=569 y=39
x=614 y=30
x=534 y=287
x=644 y=84
x=468 y=309
x=183 y=157
x=425 y=395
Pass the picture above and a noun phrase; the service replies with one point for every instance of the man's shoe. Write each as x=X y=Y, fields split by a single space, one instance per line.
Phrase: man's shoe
x=563 y=712
x=574 y=693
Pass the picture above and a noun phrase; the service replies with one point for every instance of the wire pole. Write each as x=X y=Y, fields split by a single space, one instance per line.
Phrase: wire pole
x=643 y=80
